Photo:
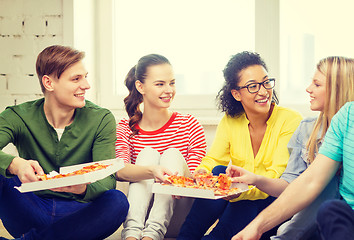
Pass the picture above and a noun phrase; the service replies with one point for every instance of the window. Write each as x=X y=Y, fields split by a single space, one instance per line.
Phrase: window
x=197 y=37
x=291 y=36
x=310 y=31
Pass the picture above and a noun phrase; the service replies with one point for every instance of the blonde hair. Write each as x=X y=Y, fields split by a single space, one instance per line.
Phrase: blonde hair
x=339 y=72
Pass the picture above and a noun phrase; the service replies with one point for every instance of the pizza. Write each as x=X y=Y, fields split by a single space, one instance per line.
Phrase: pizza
x=83 y=170
x=220 y=185
x=205 y=180
x=224 y=181
x=180 y=181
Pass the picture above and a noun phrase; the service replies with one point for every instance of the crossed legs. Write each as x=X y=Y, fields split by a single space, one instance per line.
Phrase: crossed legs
x=140 y=196
x=31 y=217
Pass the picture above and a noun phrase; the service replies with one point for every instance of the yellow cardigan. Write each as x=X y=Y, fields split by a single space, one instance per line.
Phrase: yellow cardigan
x=232 y=142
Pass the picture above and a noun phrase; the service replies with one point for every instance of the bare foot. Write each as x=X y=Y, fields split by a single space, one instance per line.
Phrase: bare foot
x=131 y=238
x=147 y=238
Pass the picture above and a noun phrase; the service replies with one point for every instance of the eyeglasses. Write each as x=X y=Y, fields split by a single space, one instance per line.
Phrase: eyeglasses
x=254 y=87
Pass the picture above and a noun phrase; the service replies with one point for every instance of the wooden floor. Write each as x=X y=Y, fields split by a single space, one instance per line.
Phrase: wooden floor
x=3 y=232
x=114 y=236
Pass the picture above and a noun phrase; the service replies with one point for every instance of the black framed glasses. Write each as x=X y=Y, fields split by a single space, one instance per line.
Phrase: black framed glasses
x=254 y=87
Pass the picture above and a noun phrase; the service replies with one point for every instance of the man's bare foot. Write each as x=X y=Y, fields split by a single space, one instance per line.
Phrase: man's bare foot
x=147 y=238
x=131 y=238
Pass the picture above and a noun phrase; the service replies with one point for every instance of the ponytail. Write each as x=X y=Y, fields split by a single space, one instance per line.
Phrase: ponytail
x=132 y=101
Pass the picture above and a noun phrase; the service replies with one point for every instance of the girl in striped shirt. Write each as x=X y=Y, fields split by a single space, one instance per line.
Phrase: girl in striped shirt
x=156 y=136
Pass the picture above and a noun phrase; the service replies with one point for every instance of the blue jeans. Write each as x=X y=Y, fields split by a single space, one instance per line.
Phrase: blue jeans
x=233 y=216
x=303 y=224
x=335 y=219
x=28 y=216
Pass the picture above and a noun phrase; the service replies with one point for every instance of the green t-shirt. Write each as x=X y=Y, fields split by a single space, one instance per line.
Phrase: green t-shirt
x=91 y=137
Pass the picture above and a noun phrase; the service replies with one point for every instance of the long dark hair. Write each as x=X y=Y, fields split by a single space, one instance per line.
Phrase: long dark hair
x=134 y=99
x=225 y=101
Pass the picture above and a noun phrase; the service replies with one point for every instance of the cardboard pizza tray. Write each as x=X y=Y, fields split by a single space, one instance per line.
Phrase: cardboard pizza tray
x=195 y=192
x=90 y=177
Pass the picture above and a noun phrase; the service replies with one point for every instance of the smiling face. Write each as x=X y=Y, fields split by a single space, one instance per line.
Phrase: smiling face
x=69 y=90
x=317 y=91
x=255 y=103
x=158 y=89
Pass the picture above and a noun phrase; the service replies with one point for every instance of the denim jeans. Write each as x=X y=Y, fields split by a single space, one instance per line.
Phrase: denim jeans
x=335 y=219
x=303 y=224
x=28 y=216
x=233 y=216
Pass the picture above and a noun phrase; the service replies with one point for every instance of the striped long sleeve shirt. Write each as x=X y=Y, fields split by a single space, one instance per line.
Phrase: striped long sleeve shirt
x=182 y=132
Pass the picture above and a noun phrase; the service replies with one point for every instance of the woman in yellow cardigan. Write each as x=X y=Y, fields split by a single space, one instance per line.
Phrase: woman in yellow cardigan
x=253 y=134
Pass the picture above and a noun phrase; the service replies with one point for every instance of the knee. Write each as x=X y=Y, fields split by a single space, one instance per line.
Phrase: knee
x=116 y=202
x=329 y=208
x=148 y=156
x=219 y=169
x=331 y=205
x=169 y=154
x=149 y=150
x=173 y=159
x=171 y=151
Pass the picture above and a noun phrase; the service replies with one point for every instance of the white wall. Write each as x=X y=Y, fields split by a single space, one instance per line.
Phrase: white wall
x=26 y=27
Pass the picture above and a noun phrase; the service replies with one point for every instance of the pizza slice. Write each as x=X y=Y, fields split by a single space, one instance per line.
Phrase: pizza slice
x=83 y=170
x=224 y=181
x=180 y=181
x=220 y=185
x=206 y=180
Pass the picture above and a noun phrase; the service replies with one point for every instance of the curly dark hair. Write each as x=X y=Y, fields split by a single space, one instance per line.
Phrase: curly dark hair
x=225 y=101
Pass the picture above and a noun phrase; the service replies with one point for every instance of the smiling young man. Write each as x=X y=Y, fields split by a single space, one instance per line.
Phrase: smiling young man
x=61 y=129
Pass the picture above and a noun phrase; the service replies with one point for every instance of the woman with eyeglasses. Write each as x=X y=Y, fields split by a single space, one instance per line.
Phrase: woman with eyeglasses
x=253 y=134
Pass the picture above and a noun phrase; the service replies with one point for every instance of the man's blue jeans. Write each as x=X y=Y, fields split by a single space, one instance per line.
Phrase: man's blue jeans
x=28 y=216
x=335 y=219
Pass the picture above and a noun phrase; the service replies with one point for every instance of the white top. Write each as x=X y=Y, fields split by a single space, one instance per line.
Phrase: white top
x=60 y=132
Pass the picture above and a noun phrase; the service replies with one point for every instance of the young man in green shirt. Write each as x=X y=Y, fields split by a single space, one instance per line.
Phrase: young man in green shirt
x=61 y=129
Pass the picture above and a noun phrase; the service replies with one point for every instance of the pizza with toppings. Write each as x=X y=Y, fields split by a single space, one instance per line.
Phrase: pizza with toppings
x=180 y=181
x=220 y=185
x=205 y=180
x=83 y=170
x=224 y=182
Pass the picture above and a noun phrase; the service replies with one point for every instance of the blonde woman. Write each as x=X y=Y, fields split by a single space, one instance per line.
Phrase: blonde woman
x=331 y=87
